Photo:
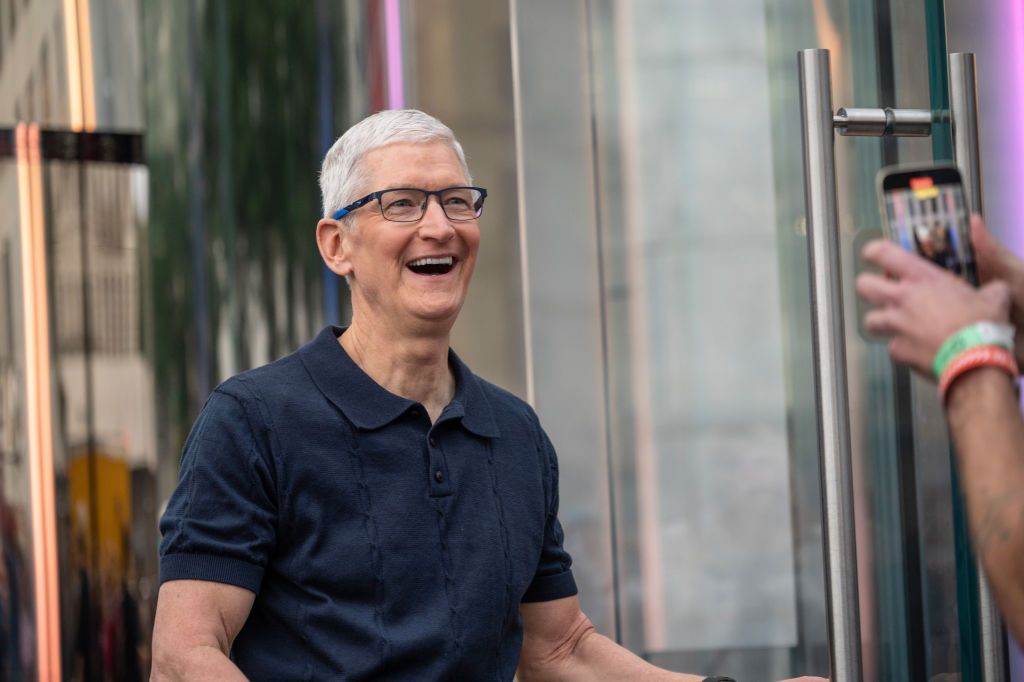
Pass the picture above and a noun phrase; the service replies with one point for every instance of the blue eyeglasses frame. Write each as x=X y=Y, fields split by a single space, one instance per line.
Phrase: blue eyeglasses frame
x=359 y=203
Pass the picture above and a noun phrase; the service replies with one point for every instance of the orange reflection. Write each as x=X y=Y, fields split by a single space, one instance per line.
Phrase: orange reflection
x=78 y=38
x=38 y=399
x=74 y=63
x=85 y=43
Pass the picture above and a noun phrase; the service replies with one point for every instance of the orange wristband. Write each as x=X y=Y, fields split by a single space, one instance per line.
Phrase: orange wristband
x=973 y=358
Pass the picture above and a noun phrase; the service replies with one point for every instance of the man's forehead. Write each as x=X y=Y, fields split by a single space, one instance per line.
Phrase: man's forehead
x=408 y=164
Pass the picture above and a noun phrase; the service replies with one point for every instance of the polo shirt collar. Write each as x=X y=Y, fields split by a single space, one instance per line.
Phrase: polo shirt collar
x=368 y=405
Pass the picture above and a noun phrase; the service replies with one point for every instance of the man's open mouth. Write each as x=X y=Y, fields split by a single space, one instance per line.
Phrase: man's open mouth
x=432 y=266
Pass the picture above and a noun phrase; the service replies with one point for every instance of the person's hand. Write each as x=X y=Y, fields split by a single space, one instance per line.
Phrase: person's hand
x=919 y=304
x=996 y=262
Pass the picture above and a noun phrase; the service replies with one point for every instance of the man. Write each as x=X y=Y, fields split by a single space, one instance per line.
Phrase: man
x=367 y=508
x=920 y=306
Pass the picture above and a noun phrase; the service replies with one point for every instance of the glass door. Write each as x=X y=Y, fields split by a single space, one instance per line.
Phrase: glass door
x=693 y=350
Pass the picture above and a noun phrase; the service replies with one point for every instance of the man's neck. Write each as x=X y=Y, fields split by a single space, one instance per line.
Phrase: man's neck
x=411 y=366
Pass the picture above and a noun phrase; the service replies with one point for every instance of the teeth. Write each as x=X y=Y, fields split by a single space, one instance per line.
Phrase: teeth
x=447 y=260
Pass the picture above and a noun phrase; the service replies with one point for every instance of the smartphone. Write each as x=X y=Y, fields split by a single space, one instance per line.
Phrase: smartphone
x=924 y=210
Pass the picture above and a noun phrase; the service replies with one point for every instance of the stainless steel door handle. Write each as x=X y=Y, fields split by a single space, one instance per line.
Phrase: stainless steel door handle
x=963 y=104
x=832 y=392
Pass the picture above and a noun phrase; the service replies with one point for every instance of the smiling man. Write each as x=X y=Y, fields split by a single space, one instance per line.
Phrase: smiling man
x=367 y=508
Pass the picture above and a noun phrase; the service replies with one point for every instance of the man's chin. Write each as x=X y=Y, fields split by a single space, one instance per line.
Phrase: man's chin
x=439 y=313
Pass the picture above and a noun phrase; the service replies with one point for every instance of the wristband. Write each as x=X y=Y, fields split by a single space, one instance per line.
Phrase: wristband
x=972 y=336
x=973 y=358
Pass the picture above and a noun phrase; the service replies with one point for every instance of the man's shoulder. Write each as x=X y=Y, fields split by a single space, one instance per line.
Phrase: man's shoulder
x=505 y=403
x=271 y=381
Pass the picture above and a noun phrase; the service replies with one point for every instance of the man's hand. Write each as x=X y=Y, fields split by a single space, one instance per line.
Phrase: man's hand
x=919 y=305
x=995 y=262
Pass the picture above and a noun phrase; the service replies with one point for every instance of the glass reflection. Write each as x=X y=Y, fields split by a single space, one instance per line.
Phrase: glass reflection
x=708 y=321
x=17 y=612
x=720 y=553
x=105 y=450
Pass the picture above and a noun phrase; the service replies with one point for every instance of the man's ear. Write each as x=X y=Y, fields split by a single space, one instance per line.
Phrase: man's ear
x=332 y=240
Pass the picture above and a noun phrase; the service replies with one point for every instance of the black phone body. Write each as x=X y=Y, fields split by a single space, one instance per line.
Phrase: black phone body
x=924 y=210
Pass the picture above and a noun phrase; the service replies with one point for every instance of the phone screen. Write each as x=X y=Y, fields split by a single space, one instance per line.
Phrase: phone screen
x=926 y=212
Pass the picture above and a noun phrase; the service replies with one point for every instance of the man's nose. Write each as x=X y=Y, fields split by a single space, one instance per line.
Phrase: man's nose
x=435 y=223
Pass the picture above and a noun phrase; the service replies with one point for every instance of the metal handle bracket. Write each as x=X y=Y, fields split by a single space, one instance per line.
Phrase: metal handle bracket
x=857 y=122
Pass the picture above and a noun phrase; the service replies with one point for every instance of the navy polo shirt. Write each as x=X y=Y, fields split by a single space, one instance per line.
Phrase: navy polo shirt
x=379 y=545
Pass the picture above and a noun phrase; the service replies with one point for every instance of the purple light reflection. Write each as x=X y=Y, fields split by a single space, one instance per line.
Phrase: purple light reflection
x=1009 y=66
x=393 y=40
x=1012 y=124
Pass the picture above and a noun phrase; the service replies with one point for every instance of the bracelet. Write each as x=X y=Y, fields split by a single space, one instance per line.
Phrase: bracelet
x=973 y=358
x=971 y=336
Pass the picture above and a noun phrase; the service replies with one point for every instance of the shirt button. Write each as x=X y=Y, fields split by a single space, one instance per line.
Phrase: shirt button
x=432 y=441
x=439 y=476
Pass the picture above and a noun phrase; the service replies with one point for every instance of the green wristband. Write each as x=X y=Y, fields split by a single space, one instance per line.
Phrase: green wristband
x=972 y=336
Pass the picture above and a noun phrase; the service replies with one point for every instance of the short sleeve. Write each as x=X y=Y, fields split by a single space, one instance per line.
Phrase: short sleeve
x=553 y=579
x=220 y=523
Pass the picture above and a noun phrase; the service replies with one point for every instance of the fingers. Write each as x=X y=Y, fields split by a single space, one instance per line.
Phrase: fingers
x=894 y=260
x=881 y=322
x=877 y=289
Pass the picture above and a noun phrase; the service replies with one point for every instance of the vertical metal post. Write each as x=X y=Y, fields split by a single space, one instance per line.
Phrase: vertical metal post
x=830 y=364
x=963 y=102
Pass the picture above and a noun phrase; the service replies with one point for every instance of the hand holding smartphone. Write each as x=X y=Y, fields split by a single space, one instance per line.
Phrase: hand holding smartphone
x=924 y=209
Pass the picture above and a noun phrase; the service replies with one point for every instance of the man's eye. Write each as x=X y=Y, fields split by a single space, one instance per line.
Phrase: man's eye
x=401 y=203
x=457 y=201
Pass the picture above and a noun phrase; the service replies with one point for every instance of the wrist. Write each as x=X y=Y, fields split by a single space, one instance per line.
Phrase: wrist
x=972 y=391
x=976 y=335
x=973 y=359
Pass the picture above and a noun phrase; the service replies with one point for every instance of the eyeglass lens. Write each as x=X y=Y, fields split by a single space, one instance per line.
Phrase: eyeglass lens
x=409 y=205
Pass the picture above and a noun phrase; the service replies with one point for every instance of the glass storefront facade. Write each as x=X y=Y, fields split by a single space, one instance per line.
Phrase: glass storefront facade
x=643 y=281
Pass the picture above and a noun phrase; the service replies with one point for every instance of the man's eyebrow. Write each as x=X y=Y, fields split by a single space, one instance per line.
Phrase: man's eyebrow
x=399 y=185
x=407 y=186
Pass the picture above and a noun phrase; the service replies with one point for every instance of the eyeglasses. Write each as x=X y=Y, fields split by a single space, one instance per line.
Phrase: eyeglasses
x=408 y=204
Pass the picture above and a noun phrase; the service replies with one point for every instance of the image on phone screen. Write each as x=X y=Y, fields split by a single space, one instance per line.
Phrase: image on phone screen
x=929 y=217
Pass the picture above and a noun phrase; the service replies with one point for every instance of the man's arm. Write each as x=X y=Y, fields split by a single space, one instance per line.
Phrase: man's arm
x=918 y=307
x=196 y=623
x=985 y=421
x=559 y=643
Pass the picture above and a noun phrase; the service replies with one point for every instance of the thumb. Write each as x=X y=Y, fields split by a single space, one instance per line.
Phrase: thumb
x=994 y=260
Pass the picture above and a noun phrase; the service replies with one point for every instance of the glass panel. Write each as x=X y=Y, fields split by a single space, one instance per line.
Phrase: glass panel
x=459 y=62
x=17 y=610
x=105 y=446
x=562 y=299
x=720 y=556
x=240 y=106
x=706 y=301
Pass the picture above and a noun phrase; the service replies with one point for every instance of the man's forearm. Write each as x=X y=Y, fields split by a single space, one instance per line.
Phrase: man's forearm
x=599 y=658
x=590 y=657
x=988 y=431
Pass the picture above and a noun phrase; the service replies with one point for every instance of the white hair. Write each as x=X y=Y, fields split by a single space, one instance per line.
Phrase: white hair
x=341 y=179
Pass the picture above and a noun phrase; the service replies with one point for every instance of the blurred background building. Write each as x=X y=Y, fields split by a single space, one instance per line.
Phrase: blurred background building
x=643 y=281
